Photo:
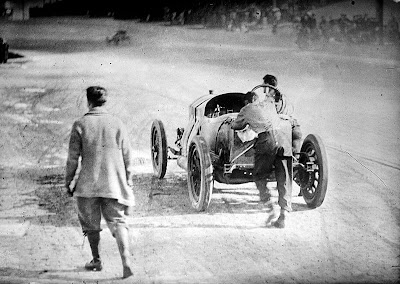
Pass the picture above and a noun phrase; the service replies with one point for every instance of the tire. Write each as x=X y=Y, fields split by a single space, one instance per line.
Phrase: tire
x=158 y=149
x=313 y=184
x=200 y=174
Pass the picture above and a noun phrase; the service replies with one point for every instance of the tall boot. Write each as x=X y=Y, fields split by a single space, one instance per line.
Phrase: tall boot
x=263 y=190
x=122 y=237
x=95 y=263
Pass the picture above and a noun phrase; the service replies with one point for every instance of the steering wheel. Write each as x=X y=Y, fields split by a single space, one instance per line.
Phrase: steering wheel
x=277 y=96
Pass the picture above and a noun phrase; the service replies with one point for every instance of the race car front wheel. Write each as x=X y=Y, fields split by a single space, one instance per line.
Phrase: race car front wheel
x=158 y=149
x=313 y=178
x=200 y=174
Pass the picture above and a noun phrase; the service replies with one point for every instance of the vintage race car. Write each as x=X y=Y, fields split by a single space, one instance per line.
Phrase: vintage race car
x=209 y=149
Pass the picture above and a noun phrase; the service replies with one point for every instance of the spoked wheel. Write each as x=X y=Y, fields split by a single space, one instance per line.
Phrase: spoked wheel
x=200 y=174
x=158 y=148
x=313 y=177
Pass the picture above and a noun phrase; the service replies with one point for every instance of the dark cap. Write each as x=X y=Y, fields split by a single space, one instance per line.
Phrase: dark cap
x=96 y=95
x=270 y=80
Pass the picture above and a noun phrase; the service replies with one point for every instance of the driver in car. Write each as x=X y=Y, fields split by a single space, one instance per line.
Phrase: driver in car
x=285 y=111
x=259 y=115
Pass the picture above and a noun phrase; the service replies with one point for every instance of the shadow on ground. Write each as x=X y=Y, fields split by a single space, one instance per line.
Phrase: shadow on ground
x=57 y=46
x=53 y=198
x=11 y=275
x=154 y=197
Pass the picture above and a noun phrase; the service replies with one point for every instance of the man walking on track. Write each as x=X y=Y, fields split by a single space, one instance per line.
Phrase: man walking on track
x=104 y=183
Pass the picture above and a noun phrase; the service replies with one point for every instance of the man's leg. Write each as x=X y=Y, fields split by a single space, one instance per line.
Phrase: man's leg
x=89 y=214
x=262 y=166
x=122 y=237
x=283 y=173
x=94 y=240
x=114 y=214
x=263 y=191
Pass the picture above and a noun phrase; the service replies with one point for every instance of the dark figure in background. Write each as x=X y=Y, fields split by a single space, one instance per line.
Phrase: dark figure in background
x=3 y=51
x=166 y=13
x=304 y=32
x=393 y=30
x=261 y=117
x=344 y=24
x=104 y=184
x=285 y=110
x=233 y=20
x=314 y=33
x=324 y=27
x=277 y=15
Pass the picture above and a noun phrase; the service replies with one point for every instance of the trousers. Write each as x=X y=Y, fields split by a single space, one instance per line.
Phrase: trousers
x=267 y=156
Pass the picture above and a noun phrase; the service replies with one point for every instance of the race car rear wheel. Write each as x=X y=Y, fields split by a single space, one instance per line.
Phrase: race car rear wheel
x=200 y=174
x=313 y=177
x=158 y=149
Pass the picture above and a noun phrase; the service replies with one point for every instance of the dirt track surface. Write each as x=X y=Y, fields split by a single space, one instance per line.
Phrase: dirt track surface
x=347 y=95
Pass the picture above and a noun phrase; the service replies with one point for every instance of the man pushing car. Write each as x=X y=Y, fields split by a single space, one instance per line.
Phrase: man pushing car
x=260 y=116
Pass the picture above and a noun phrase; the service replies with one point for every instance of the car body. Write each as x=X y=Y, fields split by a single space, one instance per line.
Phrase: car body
x=209 y=149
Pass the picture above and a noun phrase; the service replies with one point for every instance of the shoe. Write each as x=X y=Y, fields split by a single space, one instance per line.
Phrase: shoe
x=280 y=223
x=271 y=216
x=94 y=265
x=127 y=272
x=264 y=198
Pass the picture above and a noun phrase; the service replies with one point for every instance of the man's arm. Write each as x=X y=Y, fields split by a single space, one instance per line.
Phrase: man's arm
x=74 y=152
x=240 y=122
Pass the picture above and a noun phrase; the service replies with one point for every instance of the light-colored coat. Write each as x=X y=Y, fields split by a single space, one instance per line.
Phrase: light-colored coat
x=101 y=140
x=261 y=117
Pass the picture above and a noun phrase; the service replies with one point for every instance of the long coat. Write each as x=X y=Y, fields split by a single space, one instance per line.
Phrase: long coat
x=101 y=140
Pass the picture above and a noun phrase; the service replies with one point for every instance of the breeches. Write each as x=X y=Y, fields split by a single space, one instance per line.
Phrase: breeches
x=91 y=209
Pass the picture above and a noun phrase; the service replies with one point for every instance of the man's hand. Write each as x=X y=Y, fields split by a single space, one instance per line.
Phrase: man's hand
x=70 y=191
x=277 y=96
x=229 y=120
x=284 y=116
x=129 y=210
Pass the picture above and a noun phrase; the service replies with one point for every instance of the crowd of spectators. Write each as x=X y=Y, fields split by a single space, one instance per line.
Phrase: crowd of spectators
x=231 y=18
x=359 y=29
x=245 y=18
